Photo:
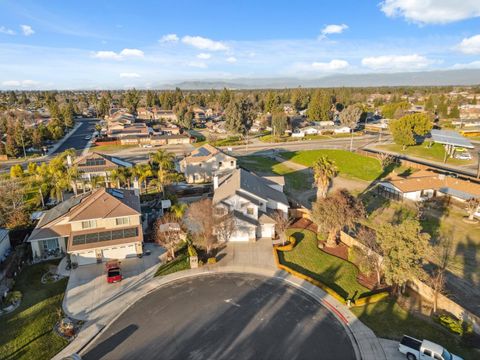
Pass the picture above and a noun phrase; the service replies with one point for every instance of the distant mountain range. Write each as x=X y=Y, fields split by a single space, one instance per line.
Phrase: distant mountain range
x=421 y=78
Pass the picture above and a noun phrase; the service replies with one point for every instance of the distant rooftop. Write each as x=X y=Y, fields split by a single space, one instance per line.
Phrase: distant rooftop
x=450 y=137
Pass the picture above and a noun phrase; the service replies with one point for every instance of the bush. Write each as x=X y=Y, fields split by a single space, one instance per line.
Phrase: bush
x=288 y=246
x=212 y=260
x=451 y=323
x=13 y=297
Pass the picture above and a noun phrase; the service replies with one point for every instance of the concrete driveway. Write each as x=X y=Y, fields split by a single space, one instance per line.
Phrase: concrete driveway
x=88 y=289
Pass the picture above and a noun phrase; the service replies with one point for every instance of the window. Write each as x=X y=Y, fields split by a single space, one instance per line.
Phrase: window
x=103 y=236
x=220 y=211
x=250 y=211
x=122 y=221
x=427 y=352
x=231 y=163
x=50 y=244
x=95 y=162
x=89 y=224
x=437 y=357
x=220 y=164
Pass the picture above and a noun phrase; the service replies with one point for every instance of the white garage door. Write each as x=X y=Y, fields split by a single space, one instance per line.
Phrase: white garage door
x=86 y=257
x=119 y=252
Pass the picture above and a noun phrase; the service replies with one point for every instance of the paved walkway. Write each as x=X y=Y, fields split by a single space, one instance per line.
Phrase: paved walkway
x=254 y=258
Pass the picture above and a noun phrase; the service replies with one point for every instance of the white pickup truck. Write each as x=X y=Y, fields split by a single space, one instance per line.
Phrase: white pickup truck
x=415 y=349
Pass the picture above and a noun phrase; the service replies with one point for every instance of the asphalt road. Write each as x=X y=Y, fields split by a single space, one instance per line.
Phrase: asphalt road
x=77 y=139
x=224 y=317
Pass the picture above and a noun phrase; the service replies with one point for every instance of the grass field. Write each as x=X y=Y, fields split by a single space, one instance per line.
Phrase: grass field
x=388 y=320
x=294 y=179
x=349 y=164
x=435 y=153
x=306 y=258
x=27 y=333
x=112 y=148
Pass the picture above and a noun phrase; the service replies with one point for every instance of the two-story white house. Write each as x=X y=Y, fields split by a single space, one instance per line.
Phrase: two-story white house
x=253 y=201
x=206 y=162
x=92 y=227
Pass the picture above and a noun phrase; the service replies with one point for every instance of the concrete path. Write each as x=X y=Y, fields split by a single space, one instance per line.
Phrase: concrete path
x=391 y=349
x=237 y=258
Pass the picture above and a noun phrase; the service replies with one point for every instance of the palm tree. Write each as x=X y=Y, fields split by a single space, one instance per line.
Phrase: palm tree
x=96 y=181
x=122 y=176
x=324 y=170
x=142 y=172
x=163 y=162
x=73 y=175
x=178 y=210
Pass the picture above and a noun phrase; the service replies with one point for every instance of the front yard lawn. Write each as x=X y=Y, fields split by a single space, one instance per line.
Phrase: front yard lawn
x=348 y=163
x=435 y=153
x=28 y=333
x=388 y=320
x=180 y=263
x=308 y=259
x=110 y=148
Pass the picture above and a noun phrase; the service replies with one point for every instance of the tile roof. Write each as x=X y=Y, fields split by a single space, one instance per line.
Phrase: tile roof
x=424 y=180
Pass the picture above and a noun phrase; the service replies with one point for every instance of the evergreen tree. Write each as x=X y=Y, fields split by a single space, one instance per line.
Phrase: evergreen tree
x=319 y=107
x=239 y=116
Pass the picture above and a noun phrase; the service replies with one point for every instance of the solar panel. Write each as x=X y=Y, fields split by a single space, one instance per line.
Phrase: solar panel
x=449 y=137
x=202 y=152
x=117 y=193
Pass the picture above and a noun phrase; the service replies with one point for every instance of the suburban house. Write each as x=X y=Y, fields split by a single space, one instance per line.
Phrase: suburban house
x=252 y=200
x=119 y=131
x=468 y=112
x=320 y=130
x=4 y=243
x=96 y=164
x=425 y=184
x=206 y=162
x=167 y=115
x=92 y=227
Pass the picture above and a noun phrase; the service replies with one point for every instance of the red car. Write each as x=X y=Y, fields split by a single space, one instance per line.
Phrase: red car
x=114 y=274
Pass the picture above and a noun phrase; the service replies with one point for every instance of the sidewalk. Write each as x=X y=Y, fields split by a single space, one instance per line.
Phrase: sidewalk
x=237 y=258
x=62 y=140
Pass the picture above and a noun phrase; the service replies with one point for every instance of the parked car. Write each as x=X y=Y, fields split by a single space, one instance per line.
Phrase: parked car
x=462 y=154
x=114 y=273
x=416 y=349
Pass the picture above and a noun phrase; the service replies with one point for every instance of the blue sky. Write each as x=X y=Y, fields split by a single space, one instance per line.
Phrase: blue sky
x=120 y=44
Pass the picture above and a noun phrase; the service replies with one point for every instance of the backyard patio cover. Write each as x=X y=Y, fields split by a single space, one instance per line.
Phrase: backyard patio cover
x=449 y=137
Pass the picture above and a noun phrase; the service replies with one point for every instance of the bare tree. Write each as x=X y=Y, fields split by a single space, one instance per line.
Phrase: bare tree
x=282 y=222
x=472 y=205
x=12 y=204
x=225 y=226
x=368 y=237
x=437 y=279
x=168 y=233
x=200 y=217
x=386 y=159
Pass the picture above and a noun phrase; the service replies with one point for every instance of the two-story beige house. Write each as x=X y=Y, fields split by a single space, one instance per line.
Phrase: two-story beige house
x=206 y=162
x=96 y=226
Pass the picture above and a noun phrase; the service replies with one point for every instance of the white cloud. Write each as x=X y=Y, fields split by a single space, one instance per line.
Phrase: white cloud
x=470 y=45
x=472 y=65
x=204 y=43
x=20 y=83
x=131 y=53
x=332 y=65
x=396 y=62
x=27 y=30
x=169 y=38
x=197 y=64
x=431 y=11
x=231 y=59
x=4 y=30
x=129 y=75
x=333 y=29
x=204 y=56
x=112 y=55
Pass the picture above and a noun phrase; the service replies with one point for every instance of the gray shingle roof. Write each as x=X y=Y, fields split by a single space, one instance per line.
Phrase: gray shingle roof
x=61 y=209
x=241 y=179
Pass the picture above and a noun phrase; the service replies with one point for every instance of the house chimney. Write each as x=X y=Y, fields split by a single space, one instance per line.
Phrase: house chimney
x=215 y=182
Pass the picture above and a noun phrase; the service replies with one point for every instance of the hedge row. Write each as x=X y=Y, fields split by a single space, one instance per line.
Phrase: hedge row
x=288 y=247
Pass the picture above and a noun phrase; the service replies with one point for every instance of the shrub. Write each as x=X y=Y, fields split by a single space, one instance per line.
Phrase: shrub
x=370 y=299
x=289 y=246
x=451 y=323
x=13 y=297
x=212 y=260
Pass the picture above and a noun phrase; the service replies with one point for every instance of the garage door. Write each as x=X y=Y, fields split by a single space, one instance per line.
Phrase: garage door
x=119 y=252
x=86 y=257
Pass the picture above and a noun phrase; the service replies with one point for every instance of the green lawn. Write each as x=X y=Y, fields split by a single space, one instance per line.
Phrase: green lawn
x=334 y=272
x=27 y=333
x=349 y=164
x=435 y=153
x=106 y=148
x=182 y=262
x=294 y=179
x=388 y=320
